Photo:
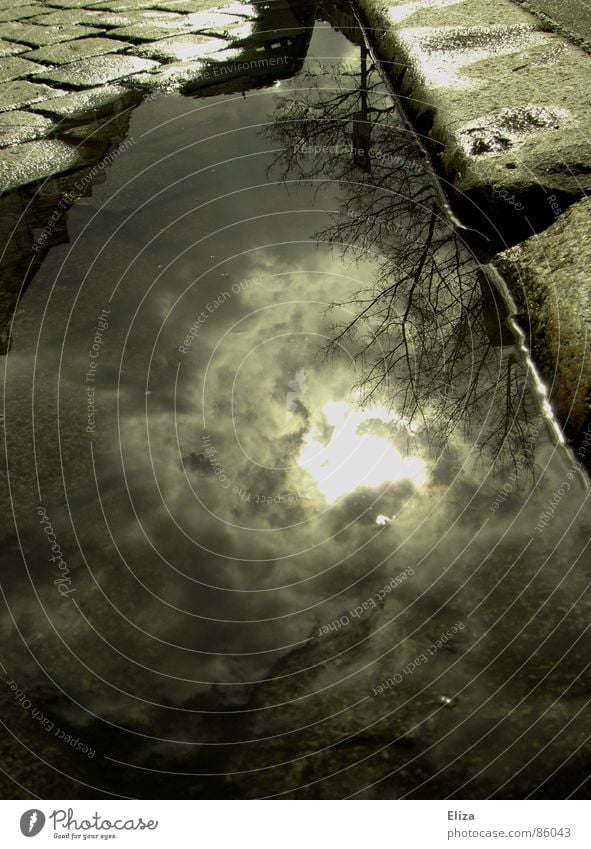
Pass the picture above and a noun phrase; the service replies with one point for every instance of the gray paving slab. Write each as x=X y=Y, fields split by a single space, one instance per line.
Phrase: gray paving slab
x=9 y=49
x=94 y=102
x=18 y=126
x=103 y=18
x=127 y=5
x=99 y=70
x=13 y=67
x=27 y=10
x=39 y=36
x=172 y=76
x=35 y=160
x=186 y=6
x=71 y=51
x=206 y=71
x=192 y=6
x=504 y=105
x=574 y=16
x=72 y=4
x=551 y=276
x=213 y=19
x=19 y=93
x=180 y=48
x=152 y=30
x=68 y=17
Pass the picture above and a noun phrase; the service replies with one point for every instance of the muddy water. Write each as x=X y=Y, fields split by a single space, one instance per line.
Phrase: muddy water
x=291 y=517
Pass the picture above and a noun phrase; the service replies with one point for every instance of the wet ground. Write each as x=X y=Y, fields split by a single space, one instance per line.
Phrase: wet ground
x=572 y=16
x=291 y=514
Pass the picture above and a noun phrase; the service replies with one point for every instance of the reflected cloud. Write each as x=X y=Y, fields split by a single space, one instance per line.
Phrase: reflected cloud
x=354 y=457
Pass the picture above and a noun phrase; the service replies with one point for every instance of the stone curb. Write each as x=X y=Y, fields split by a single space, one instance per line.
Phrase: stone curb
x=550 y=278
x=503 y=104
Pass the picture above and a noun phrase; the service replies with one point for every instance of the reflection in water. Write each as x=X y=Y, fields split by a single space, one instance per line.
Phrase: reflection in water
x=252 y=548
x=433 y=332
x=353 y=456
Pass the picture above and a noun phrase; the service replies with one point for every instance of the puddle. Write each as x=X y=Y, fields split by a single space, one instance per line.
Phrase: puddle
x=504 y=130
x=291 y=516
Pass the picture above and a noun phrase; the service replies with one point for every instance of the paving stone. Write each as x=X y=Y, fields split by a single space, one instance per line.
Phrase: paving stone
x=551 y=276
x=61 y=17
x=187 y=6
x=507 y=124
x=172 y=77
x=99 y=70
x=147 y=31
x=8 y=49
x=237 y=31
x=246 y=10
x=72 y=4
x=40 y=36
x=36 y=160
x=71 y=51
x=101 y=18
x=14 y=95
x=17 y=127
x=25 y=11
x=92 y=103
x=207 y=71
x=182 y=47
x=127 y=5
x=211 y=19
x=12 y=67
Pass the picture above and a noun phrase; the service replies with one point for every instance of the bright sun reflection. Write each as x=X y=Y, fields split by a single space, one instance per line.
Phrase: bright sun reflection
x=349 y=459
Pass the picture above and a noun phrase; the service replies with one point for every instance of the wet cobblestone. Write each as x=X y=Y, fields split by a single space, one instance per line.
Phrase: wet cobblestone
x=65 y=63
x=99 y=70
x=18 y=126
x=85 y=48
x=13 y=67
x=40 y=36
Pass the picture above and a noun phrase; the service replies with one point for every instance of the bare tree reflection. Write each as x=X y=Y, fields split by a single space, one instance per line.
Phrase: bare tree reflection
x=430 y=329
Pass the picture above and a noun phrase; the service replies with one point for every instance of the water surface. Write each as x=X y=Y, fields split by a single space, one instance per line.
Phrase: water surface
x=317 y=535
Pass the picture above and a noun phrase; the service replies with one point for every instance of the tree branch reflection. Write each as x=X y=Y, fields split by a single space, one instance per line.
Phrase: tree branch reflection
x=430 y=330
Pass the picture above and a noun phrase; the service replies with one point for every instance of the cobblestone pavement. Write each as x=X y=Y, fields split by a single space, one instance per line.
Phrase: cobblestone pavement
x=67 y=62
x=571 y=16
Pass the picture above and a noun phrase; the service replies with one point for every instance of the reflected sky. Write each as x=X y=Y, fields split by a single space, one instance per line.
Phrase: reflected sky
x=231 y=493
